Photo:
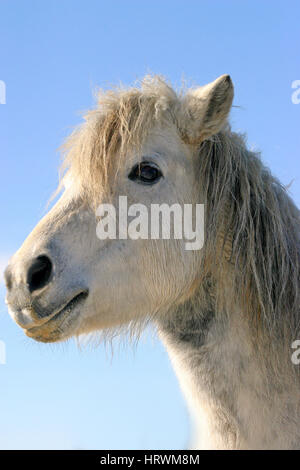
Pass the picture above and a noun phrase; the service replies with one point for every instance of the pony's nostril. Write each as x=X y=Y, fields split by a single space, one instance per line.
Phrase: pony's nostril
x=39 y=273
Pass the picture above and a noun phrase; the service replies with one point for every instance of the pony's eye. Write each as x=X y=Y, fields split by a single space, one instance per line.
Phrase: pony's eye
x=146 y=173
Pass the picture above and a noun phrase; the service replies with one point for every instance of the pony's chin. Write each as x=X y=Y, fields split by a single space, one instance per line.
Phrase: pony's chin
x=60 y=327
x=48 y=335
x=52 y=333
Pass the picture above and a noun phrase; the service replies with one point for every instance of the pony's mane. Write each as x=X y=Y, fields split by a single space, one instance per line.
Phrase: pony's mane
x=249 y=215
x=252 y=243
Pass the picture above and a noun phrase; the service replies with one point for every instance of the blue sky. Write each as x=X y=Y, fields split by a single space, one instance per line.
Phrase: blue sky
x=52 y=56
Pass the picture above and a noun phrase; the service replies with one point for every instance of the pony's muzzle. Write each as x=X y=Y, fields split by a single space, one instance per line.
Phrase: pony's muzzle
x=43 y=296
x=27 y=283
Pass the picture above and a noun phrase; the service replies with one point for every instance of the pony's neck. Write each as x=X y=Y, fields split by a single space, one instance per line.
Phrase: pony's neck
x=239 y=399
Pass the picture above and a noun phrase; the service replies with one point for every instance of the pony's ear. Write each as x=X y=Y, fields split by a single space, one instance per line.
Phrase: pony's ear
x=205 y=109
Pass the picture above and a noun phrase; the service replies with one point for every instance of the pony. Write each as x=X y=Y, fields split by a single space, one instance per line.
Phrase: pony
x=227 y=313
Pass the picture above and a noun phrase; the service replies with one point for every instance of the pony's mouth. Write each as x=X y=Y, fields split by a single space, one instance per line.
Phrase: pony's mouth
x=59 y=324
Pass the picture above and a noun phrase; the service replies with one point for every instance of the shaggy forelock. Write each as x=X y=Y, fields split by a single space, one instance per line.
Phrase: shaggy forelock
x=119 y=124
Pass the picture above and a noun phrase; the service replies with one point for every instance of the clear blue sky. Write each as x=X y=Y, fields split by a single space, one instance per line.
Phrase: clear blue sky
x=52 y=55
